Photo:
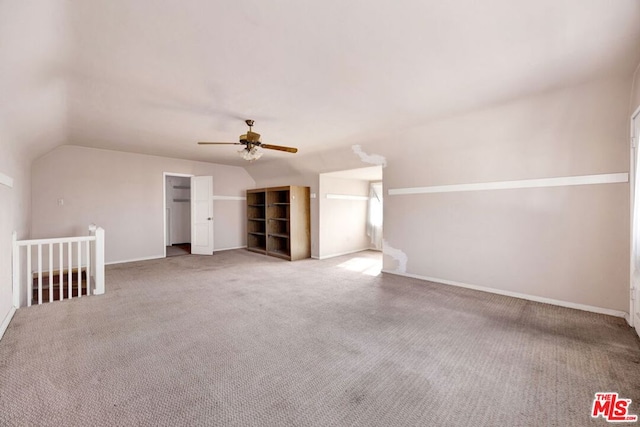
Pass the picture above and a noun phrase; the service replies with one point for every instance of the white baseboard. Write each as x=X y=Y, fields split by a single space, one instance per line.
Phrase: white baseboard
x=124 y=261
x=229 y=249
x=341 y=253
x=162 y=256
x=551 y=301
x=6 y=321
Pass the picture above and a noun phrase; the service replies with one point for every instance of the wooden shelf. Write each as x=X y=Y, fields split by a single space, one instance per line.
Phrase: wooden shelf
x=182 y=187
x=283 y=236
x=278 y=222
x=257 y=223
x=280 y=254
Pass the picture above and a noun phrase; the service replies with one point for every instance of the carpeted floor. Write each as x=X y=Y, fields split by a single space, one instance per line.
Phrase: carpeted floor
x=243 y=339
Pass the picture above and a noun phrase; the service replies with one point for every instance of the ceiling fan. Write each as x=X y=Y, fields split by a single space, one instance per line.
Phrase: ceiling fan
x=251 y=142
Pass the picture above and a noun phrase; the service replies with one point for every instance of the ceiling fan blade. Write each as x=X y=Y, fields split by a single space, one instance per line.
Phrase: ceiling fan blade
x=220 y=143
x=279 y=148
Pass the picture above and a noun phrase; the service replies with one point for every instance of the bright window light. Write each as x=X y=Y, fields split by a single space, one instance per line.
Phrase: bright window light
x=368 y=266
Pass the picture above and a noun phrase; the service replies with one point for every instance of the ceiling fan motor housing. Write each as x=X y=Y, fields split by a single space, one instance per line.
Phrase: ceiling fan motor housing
x=251 y=137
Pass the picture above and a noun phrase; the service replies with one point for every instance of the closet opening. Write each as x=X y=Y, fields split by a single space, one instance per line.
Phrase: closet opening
x=177 y=214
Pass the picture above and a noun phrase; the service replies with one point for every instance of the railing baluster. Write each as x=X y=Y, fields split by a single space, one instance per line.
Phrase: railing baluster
x=30 y=277
x=50 y=272
x=99 y=256
x=88 y=275
x=61 y=271
x=39 y=274
x=16 y=271
x=79 y=269
x=69 y=275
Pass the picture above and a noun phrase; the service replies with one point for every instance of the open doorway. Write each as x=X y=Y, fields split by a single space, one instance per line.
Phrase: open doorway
x=177 y=214
x=350 y=211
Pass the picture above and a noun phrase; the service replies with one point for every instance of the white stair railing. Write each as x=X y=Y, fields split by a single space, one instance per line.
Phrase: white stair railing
x=58 y=262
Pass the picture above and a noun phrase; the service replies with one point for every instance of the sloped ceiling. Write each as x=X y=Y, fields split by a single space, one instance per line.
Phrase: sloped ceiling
x=155 y=77
x=33 y=47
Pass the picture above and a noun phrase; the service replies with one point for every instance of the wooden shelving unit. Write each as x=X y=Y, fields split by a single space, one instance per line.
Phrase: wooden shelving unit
x=278 y=222
x=256 y=221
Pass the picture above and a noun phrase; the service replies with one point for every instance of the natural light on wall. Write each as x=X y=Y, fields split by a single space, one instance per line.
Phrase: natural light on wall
x=368 y=266
x=6 y=180
x=374 y=215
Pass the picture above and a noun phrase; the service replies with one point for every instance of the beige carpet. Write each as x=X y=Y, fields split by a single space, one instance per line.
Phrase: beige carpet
x=243 y=339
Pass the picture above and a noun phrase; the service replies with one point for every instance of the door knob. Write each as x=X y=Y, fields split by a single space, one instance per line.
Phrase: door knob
x=209 y=219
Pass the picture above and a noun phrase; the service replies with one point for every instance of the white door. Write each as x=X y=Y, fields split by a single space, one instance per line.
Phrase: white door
x=202 y=215
x=635 y=237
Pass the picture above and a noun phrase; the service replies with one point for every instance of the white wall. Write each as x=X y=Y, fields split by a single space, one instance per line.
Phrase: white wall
x=14 y=216
x=31 y=112
x=564 y=243
x=178 y=210
x=343 y=222
x=122 y=192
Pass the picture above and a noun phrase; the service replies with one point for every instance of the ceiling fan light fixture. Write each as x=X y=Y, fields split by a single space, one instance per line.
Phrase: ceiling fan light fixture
x=250 y=154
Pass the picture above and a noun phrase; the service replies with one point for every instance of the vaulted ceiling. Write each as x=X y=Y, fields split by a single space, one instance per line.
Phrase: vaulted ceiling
x=155 y=77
